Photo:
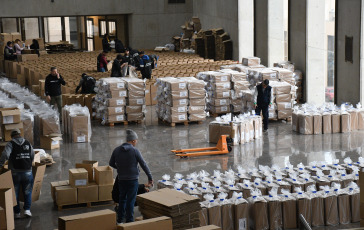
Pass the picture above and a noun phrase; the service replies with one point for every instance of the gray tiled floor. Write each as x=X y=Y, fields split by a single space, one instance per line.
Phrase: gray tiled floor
x=278 y=146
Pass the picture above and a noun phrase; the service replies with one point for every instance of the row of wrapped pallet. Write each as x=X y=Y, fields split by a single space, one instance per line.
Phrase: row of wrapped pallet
x=180 y=99
x=46 y=132
x=273 y=198
x=120 y=100
x=327 y=118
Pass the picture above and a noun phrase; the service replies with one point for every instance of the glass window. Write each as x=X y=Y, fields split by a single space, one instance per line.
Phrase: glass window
x=71 y=30
x=9 y=25
x=53 y=29
x=112 y=28
x=31 y=28
x=102 y=26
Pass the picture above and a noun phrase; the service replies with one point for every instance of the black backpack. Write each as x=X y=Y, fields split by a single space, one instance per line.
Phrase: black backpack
x=88 y=85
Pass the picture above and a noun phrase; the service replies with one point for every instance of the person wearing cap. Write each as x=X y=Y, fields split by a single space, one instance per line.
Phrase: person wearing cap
x=145 y=65
x=53 y=90
x=263 y=99
x=102 y=62
x=20 y=155
x=87 y=84
x=126 y=159
x=118 y=66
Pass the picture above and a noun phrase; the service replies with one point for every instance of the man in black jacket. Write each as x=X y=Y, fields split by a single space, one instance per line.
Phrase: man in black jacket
x=263 y=98
x=87 y=84
x=20 y=154
x=117 y=66
x=106 y=43
x=53 y=89
x=9 y=53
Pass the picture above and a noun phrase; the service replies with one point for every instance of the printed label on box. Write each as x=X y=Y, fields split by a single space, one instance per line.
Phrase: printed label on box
x=242 y=224
x=181 y=109
x=224 y=109
x=118 y=109
x=227 y=86
x=183 y=102
x=119 y=102
x=121 y=85
x=288 y=105
x=225 y=94
x=222 y=102
x=120 y=118
x=122 y=94
x=182 y=117
x=224 y=78
x=81 y=138
x=80 y=182
x=8 y=119
x=55 y=142
x=182 y=85
x=140 y=101
x=183 y=94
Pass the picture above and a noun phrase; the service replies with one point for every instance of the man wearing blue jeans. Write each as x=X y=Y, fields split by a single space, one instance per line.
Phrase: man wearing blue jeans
x=263 y=99
x=126 y=159
x=20 y=154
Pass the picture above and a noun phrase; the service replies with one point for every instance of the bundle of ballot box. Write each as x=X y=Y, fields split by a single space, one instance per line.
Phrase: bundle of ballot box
x=120 y=99
x=327 y=118
x=180 y=99
x=88 y=182
x=241 y=129
x=77 y=123
x=274 y=197
x=46 y=122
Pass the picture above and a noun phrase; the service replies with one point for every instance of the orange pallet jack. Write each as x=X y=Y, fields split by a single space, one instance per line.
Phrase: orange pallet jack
x=222 y=147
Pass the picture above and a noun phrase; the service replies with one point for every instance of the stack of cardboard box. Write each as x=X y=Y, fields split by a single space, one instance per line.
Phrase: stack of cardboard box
x=77 y=123
x=135 y=109
x=282 y=93
x=197 y=99
x=150 y=93
x=87 y=183
x=82 y=99
x=10 y=118
x=27 y=118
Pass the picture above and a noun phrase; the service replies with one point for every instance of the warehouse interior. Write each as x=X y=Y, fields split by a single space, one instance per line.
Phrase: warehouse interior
x=311 y=51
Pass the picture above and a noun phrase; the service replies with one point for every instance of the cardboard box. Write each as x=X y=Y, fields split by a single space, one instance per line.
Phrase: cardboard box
x=38 y=175
x=331 y=211
x=158 y=223
x=115 y=110
x=79 y=129
x=305 y=124
x=105 y=192
x=104 y=175
x=135 y=116
x=355 y=207
x=6 y=179
x=89 y=193
x=6 y=130
x=6 y=203
x=104 y=219
x=116 y=102
x=57 y=184
x=211 y=227
x=241 y=216
x=134 y=109
x=318 y=215
x=50 y=141
x=65 y=195
x=9 y=116
x=136 y=102
x=345 y=123
x=326 y=123
x=27 y=57
x=49 y=126
x=78 y=177
x=289 y=210
x=89 y=166
x=344 y=209
x=3 y=223
x=336 y=123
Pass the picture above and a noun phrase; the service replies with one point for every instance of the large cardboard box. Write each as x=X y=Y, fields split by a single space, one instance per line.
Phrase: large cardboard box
x=6 y=130
x=6 y=203
x=89 y=166
x=65 y=195
x=158 y=223
x=38 y=175
x=212 y=227
x=104 y=219
x=57 y=184
x=79 y=129
x=89 y=193
x=50 y=141
x=105 y=192
x=6 y=179
x=27 y=57
x=305 y=123
x=9 y=116
x=104 y=175
x=78 y=177
x=3 y=223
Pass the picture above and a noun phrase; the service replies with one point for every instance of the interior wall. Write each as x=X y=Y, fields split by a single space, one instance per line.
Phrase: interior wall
x=261 y=30
x=219 y=14
x=347 y=79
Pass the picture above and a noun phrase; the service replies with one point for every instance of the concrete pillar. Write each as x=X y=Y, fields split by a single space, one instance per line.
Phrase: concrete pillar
x=261 y=30
x=362 y=53
x=246 y=28
x=275 y=31
x=316 y=52
x=348 y=79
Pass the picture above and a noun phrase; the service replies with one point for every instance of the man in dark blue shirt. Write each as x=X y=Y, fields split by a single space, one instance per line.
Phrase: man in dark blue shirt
x=145 y=65
x=263 y=98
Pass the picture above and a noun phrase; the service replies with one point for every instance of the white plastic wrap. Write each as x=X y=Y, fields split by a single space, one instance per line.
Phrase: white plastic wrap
x=165 y=182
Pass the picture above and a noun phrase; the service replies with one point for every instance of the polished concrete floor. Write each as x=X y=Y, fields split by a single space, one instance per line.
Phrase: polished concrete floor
x=279 y=146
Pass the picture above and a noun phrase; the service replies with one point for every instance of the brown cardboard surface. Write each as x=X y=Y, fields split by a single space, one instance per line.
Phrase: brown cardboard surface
x=57 y=184
x=65 y=195
x=7 y=182
x=89 y=166
x=275 y=215
x=3 y=222
x=89 y=193
x=50 y=141
x=344 y=209
x=283 y=98
x=260 y=215
x=7 y=205
x=115 y=102
x=78 y=177
x=105 y=192
x=354 y=120
x=305 y=208
x=214 y=214
x=158 y=223
x=104 y=219
x=208 y=227
x=295 y=123
x=241 y=216
x=6 y=130
x=227 y=217
x=317 y=124
x=79 y=129
x=331 y=211
x=361 y=120
x=326 y=123
x=203 y=216
x=9 y=116
x=355 y=207
x=345 y=123
x=336 y=123
x=38 y=175
x=104 y=175
x=289 y=210
x=318 y=212
x=305 y=124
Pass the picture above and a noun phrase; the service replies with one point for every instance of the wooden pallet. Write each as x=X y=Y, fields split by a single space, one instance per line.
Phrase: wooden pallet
x=84 y=205
x=112 y=124
x=186 y=123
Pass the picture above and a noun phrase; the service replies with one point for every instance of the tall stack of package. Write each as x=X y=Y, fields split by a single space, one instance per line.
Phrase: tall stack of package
x=77 y=123
x=197 y=99
x=10 y=118
x=110 y=100
x=283 y=99
x=135 y=109
x=27 y=118
x=218 y=91
x=172 y=97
